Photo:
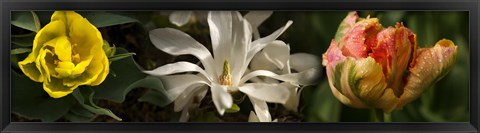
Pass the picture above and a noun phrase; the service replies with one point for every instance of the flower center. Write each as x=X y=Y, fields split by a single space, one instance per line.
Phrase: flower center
x=225 y=78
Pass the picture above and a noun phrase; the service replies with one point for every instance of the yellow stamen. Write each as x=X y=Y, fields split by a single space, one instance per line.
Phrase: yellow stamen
x=225 y=78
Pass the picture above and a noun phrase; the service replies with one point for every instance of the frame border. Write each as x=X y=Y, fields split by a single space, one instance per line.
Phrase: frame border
x=296 y=5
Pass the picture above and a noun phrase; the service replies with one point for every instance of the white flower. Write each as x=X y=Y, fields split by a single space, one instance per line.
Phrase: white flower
x=233 y=50
x=276 y=57
x=180 y=18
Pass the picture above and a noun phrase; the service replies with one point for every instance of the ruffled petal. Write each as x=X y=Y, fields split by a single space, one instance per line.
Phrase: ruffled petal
x=180 y=18
x=56 y=89
x=176 y=42
x=274 y=93
x=431 y=65
x=355 y=40
x=346 y=25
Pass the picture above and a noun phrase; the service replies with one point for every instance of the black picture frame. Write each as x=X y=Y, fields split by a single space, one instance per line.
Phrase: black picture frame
x=6 y=6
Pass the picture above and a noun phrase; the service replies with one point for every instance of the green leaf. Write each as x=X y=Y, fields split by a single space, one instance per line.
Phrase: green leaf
x=158 y=95
x=104 y=19
x=115 y=88
x=23 y=40
x=20 y=51
x=26 y=19
x=233 y=109
x=30 y=100
x=79 y=114
x=120 y=56
x=84 y=96
x=323 y=106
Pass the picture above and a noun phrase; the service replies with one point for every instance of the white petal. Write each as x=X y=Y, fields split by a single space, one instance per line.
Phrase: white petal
x=277 y=53
x=259 y=44
x=256 y=18
x=176 y=42
x=252 y=117
x=176 y=84
x=242 y=38
x=180 y=18
x=303 y=78
x=187 y=96
x=294 y=98
x=220 y=24
x=261 y=62
x=221 y=98
x=178 y=67
x=303 y=61
x=274 y=93
x=261 y=109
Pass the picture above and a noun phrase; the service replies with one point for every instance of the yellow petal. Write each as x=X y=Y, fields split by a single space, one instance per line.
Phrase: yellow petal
x=85 y=37
x=430 y=65
x=106 y=69
x=64 y=69
x=46 y=59
x=63 y=49
x=66 y=16
x=29 y=68
x=48 y=33
x=56 y=89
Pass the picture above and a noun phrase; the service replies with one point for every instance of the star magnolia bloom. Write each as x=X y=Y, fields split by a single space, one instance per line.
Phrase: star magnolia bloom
x=369 y=66
x=233 y=50
x=276 y=58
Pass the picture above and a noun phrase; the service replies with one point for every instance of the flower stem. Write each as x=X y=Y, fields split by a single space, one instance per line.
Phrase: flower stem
x=379 y=115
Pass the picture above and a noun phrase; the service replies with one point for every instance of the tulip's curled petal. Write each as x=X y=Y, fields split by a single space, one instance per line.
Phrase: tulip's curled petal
x=256 y=18
x=177 y=67
x=353 y=43
x=394 y=49
x=65 y=16
x=180 y=18
x=333 y=55
x=346 y=24
x=252 y=117
x=431 y=65
x=46 y=35
x=303 y=61
x=274 y=93
x=221 y=98
x=176 y=42
x=261 y=110
x=369 y=84
x=56 y=89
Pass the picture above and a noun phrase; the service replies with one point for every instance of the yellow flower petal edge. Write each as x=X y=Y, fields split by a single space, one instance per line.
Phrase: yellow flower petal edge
x=431 y=65
x=66 y=53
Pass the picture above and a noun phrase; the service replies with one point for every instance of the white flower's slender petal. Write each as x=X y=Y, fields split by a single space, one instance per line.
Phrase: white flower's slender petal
x=187 y=96
x=259 y=44
x=242 y=37
x=256 y=18
x=220 y=24
x=221 y=98
x=260 y=62
x=252 y=117
x=178 y=67
x=277 y=53
x=302 y=78
x=303 y=61
x=261 y=109
x=180 y=18
x=176 y=42
x=176 y=84
x=294 y=98
x=274 y=93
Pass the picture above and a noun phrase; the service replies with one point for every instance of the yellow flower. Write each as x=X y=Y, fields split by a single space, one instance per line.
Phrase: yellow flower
x=66 y=53
x=369 y=66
